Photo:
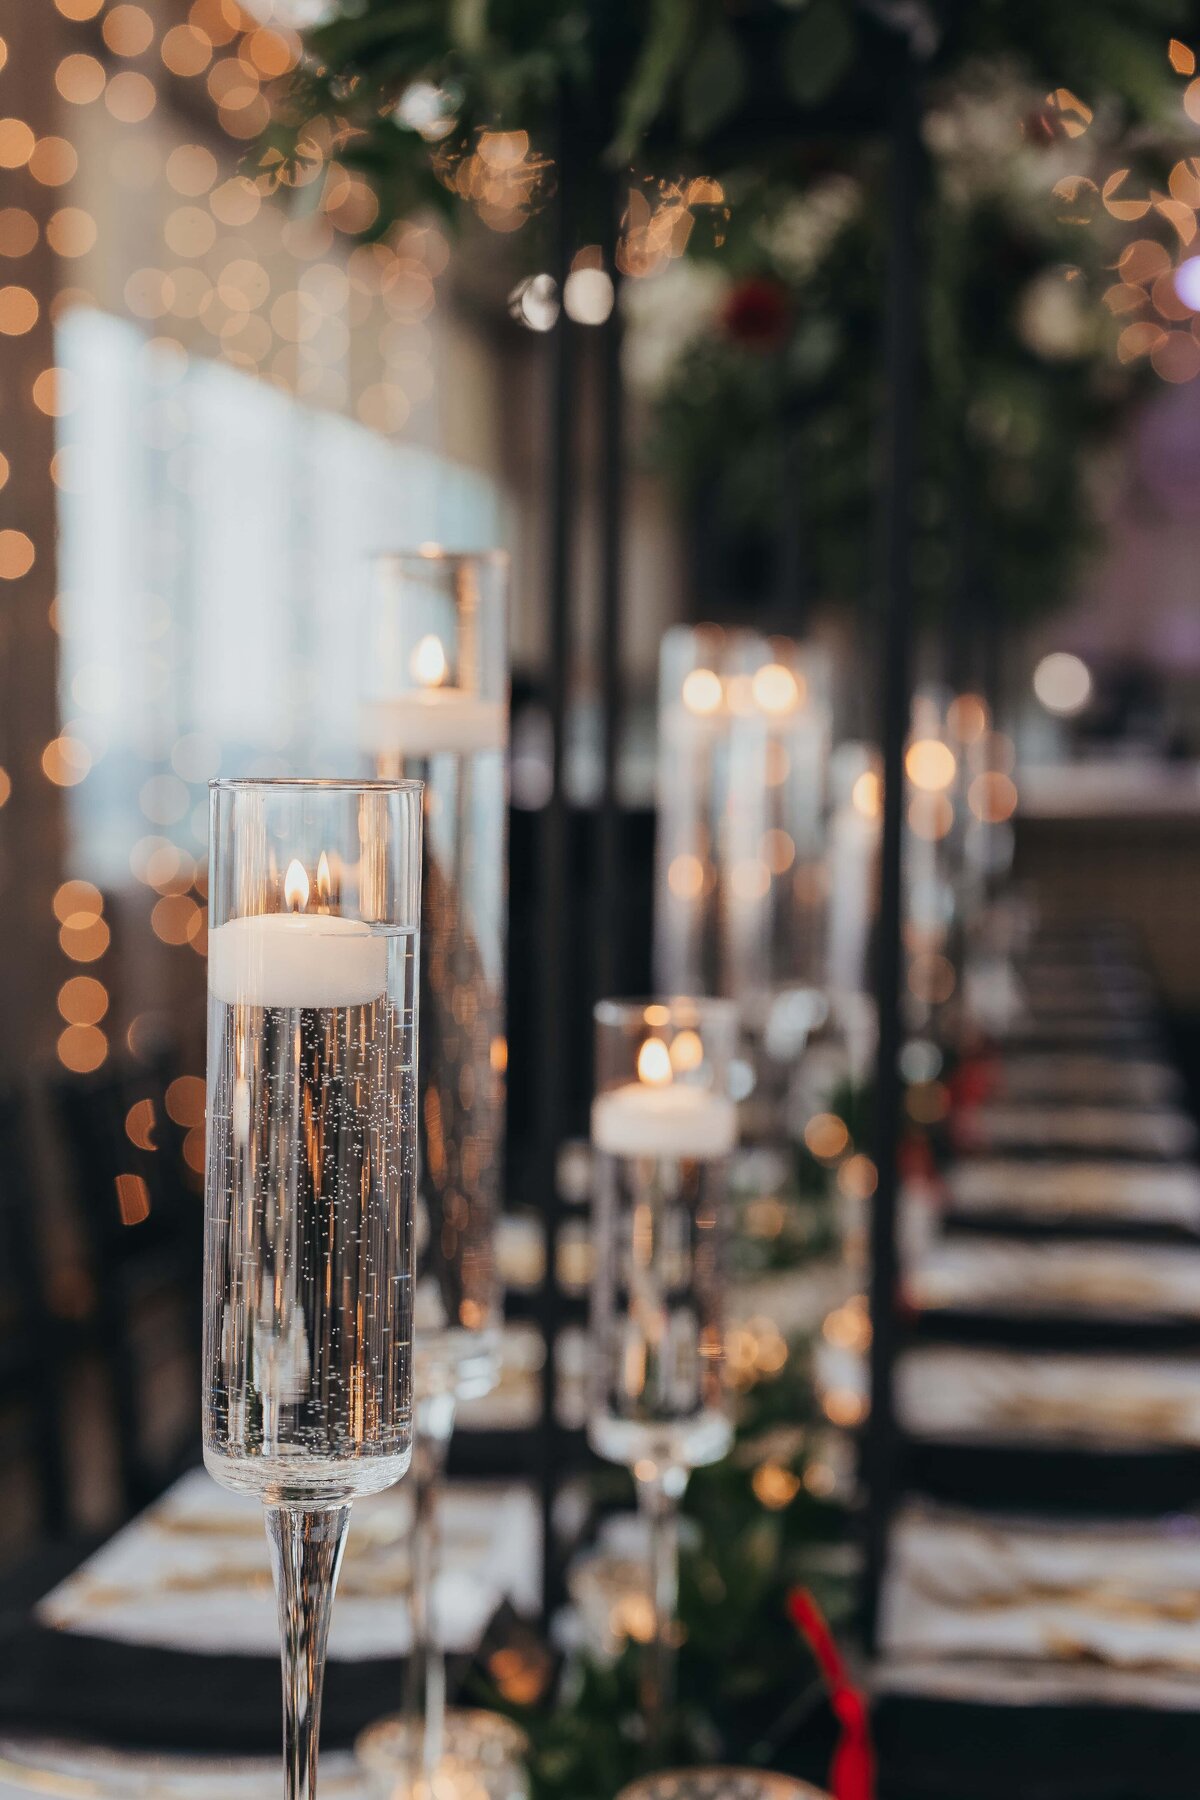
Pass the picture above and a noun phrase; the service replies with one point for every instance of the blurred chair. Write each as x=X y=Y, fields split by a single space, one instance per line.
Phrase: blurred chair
x=141 y=1220
x=31 y=1349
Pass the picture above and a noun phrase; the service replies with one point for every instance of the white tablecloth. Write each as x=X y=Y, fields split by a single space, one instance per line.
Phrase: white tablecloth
x=192 y=1573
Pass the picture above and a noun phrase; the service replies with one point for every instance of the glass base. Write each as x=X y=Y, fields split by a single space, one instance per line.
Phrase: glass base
x=686 y=1443
x=483 y=1759
x=453 y=1361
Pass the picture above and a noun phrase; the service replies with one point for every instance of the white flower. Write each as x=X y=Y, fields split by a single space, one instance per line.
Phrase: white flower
x=664 y=316
x=800 y=233
x=1054 y=319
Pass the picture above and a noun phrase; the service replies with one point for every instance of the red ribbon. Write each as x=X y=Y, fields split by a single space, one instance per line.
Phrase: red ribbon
x=852 y=1770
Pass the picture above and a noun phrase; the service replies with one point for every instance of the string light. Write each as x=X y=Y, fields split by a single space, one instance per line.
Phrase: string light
x=16 y=554
x=79 y=78
x=128 y=30
x=185 y=50
x=130 y=97
x=53 y=161
x=18 y=231
x=51 y=393
x=16 y=143
x=83 y=1000
x=191 y=169
x=18 y=311
x=82 y=1049
x=71 y=232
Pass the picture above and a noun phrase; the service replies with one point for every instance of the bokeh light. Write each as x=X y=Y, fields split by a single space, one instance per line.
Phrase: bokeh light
x=930 y=764
x=1063 y=683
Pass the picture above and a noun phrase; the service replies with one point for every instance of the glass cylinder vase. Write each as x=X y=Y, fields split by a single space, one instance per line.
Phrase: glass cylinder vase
x=741 y=891
x=435 y=708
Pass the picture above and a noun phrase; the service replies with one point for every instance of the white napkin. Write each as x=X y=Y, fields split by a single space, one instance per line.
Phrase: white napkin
x=960 y=1394
x=1064 y=1075
x=1068 y=1276
x=972 y=1585
x=1082 y=1188
x=1159 y=1132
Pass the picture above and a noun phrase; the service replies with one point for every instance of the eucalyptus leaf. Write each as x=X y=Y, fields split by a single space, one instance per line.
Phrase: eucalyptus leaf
x=714 y=82
x=817 y=51
x=671 y=28
x=388 y=29
x=468 y=25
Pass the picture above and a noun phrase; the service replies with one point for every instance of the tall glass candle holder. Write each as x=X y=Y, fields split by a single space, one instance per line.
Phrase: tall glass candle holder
x=741 y=894
x=854 y=844
x=314 y=903
x=784 y=885
x=435 y=707
x=934 y=819
x=663 y=1128
x=709 y=823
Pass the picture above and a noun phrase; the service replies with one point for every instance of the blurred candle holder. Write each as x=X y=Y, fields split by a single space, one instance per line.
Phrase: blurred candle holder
x=435 y=707
x=741 y=889
x=663 y=1128
x=312 y=975
x=934 y=889
x=854 y=840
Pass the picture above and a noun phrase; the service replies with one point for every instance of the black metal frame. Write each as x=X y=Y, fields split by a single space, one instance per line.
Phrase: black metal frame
x=553 y=1029
x=901 y=362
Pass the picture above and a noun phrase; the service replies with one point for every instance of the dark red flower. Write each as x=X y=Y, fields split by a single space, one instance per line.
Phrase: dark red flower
x=757 y=313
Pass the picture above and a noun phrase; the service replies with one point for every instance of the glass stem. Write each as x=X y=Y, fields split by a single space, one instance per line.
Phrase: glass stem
x=425 y=1697
x=659 y=1491
x=306 y=1554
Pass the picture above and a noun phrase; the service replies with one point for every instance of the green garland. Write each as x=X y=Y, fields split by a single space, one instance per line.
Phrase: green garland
x=748 y=1691
x=759 y=95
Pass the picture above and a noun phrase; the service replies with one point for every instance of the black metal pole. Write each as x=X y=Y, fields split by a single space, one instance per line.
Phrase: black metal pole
x=901 y=354
x=554 y=1024
x=610 y=904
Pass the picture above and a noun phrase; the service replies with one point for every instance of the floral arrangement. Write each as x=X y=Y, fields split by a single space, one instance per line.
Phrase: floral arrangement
x=761 y=369
x=755 y=339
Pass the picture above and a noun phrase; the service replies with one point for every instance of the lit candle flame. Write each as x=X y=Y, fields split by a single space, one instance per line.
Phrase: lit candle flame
x=428 y=662
x=654 y=1063
x=776 y=689
x=295 y=887
x=324 y=882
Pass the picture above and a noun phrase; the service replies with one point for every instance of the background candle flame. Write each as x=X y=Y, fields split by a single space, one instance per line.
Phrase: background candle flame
x=654 y=1063
x=295 y=887
x=428 y=662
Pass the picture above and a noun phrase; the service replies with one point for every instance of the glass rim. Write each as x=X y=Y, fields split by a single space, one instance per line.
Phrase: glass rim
x=620 y=1010
x=436 y=553
x=331 y=784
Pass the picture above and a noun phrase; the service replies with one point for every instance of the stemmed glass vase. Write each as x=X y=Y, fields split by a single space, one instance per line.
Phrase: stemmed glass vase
x=309 y=1186
x=663 y=1127
x=435 y=707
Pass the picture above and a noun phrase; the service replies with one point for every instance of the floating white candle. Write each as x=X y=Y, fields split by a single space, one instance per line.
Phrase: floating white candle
x=430 y=718
x=429 y=721
x=657 y=1116
x=296 y=959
